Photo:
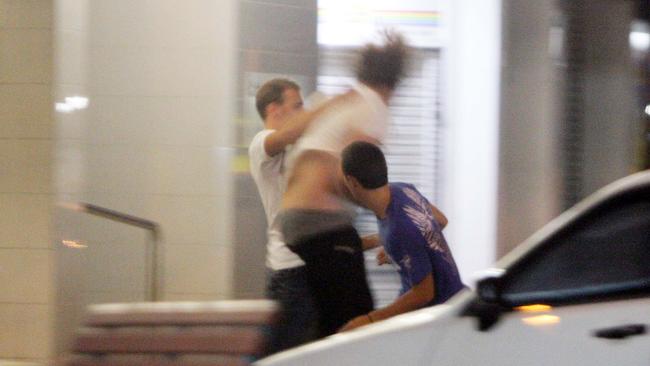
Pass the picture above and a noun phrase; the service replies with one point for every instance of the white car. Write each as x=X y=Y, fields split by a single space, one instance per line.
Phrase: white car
x=575 y=293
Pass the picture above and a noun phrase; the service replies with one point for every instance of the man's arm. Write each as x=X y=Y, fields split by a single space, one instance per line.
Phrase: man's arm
x=439 y=216
x=419 y=271
x=415 y=298
x=277 y=141
x=370 y=241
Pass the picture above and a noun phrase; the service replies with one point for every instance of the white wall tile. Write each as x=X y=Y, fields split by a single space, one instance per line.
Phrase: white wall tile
x=203 y=171
x=137 y=23
x=26 y=56
x=198 y=269
x=71 y=14
x=25 y=130
x=26 y=220
x=71 y=53
x=71 y=125
x=26 y=331
x=158 y=169
x=26 y=276
x=68 y=176
x=25 y=166
x=191 y=219
x=155 y=71
x=25 y=111
x=115 y=169
x=26 y=13
x=4 y=13
x=191 y=121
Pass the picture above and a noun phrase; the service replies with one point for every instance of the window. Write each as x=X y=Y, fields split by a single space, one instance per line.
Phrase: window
x=603 y=253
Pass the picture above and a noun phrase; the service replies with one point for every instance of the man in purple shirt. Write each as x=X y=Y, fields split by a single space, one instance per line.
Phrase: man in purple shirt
x=410 y=230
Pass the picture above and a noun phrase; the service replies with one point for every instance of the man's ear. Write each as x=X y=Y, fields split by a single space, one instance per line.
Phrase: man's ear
x=271 y=108
x=353 y=181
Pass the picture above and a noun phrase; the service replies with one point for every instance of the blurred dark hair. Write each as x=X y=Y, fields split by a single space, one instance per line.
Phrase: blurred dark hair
x=383 y=66
x=365 y=162
x=271 y=92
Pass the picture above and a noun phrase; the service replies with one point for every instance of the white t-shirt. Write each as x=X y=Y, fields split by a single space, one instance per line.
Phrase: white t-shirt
x=268 y=171
x=331 y=131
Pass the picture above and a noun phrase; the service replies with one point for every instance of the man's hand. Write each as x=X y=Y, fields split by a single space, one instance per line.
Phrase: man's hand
x=382 y=257
x=439 y=216
x=357 y=322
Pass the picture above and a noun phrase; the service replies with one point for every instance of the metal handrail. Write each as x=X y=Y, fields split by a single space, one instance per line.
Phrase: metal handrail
x=151 y=226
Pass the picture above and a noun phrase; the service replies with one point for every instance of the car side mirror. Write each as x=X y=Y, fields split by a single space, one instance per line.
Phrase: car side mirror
x=489 y=290
x=486 y=307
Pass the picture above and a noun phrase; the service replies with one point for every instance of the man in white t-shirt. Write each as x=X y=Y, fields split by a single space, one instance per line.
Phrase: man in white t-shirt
x=280 y=106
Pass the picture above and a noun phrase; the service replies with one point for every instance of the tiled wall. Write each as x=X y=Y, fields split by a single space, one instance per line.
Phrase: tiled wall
x=276 y=37
x=26 y=140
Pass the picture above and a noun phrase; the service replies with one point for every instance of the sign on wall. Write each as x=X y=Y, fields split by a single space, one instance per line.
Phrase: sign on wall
x=356 y=22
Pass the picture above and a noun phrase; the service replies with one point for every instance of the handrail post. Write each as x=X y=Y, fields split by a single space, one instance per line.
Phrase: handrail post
x=155 y=262
x=154 y=255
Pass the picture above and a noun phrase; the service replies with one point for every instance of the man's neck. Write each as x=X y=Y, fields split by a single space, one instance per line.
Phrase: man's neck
x=271 y=124
x=378 y=201
x=383 y=92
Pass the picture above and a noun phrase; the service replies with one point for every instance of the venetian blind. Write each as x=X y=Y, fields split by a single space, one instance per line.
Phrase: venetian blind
x=414 y=145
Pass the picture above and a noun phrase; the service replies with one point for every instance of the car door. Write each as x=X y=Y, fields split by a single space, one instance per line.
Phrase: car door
x=578 y=295
x=563 y=335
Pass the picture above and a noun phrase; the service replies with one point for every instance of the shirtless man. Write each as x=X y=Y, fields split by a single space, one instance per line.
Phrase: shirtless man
x=313 y=217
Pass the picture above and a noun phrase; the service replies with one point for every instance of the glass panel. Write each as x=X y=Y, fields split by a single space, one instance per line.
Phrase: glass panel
x=98 y=261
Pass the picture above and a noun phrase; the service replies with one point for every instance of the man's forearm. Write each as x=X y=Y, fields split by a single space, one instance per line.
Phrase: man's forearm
x=370 y=241
x=289 y=133
x=417 y=297
x=297 y=124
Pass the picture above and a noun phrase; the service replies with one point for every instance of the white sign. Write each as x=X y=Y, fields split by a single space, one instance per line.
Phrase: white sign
x=356 y=22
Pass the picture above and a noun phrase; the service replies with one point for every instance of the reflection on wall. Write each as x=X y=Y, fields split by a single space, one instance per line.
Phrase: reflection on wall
x=640 y=47
x=277 y=38
x=153 y=139
x=600 y=126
